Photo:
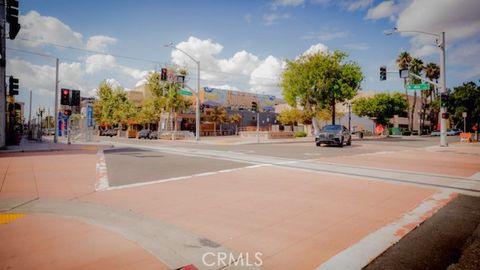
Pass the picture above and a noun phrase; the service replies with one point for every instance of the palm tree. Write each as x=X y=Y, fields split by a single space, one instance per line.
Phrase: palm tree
x=236 y=119
x=432 y=72
x=403 y=62
x=416 y=67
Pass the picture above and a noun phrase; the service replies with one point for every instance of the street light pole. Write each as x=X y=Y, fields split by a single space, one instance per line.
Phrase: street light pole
x=443 y=85
x=443 y=121
x=197 y=95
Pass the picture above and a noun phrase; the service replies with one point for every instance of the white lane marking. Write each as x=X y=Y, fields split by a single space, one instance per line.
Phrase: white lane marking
x=150 y=182
x=364 y=251
x=101 y=172
x=475 y=176
x=140 y=184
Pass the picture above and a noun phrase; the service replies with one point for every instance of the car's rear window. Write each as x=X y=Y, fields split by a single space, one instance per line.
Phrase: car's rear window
x=331 y=127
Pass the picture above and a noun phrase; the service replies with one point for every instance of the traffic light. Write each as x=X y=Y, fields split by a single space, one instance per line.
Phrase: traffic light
x=12 y=86
x=65 y=97
x=67 y=112
x=75 y=98
x=12 y=18
x=163 y=76
x=254 y=106
x=383 y=73
x=443 y=99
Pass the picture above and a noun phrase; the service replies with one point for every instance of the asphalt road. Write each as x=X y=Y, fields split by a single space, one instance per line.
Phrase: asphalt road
x=135 y=165
x=138 y=161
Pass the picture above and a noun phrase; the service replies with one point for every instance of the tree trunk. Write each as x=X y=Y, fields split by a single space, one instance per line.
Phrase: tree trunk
x=215 y=128
x=316 y=126
x=412 y=114
x=333 y=109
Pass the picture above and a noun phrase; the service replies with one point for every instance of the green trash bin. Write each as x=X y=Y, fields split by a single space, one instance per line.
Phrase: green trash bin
x=396 y=131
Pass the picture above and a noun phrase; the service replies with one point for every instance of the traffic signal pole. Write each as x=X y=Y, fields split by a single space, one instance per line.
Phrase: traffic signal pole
x=55 y=136
x=3 y=90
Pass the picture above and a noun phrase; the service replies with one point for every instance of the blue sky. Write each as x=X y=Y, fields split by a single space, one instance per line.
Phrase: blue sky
x=241 y=44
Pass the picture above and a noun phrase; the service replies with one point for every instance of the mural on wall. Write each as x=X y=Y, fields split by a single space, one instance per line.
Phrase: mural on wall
x=237 y=99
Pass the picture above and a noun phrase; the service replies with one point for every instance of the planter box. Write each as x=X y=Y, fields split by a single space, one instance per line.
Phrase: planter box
x=131 y=133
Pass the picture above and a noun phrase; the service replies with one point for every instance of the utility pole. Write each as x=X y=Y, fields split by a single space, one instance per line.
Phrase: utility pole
x=30 y=113
x=55 y=112
x=258 y=127
x=3 y=91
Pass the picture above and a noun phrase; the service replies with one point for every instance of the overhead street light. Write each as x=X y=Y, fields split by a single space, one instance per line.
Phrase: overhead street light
x=443 y=85
x=197 y=94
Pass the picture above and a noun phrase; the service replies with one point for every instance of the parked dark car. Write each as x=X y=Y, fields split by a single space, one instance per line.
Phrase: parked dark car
x=143 y=134
x=333 y=134
x=153 y=135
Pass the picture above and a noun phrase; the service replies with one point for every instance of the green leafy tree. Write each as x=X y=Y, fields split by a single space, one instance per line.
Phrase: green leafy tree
x=466 y=98
x=320 y=80
x=236 y=119
x=165 y=94
x=381 y=106
x=218 y=115
x=112 y=106
x=147 y=113
x=290 y=116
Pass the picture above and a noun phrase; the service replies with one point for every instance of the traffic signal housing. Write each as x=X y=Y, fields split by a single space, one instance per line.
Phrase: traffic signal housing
x=163 y=74
x=12 y=18
x=12 y=86
x=254 y=106
x=75 y=101
x=443 y=99
x=383 y=73
x=65 y=97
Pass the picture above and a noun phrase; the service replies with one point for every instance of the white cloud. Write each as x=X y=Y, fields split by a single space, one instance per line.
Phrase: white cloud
x=265 y=78
x=41 y=78
x=272 y=18
x=100 y=43
x=460 y=22
x=316 y=48
x=383 y=10
x=38 y=29
x=357 y=4
x=99 y=62
x=459 y=19
x=242 y=63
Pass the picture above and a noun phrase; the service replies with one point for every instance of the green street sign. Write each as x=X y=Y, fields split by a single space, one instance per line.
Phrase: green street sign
x=185 y=92
x=422 y=86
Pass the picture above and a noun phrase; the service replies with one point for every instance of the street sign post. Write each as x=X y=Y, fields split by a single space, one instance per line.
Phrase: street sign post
x=185 y=92
x=422 y=86
x=464 y=115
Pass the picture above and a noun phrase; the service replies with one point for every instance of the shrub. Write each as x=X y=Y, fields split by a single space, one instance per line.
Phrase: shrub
x=406 y=133
x=300 y=134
